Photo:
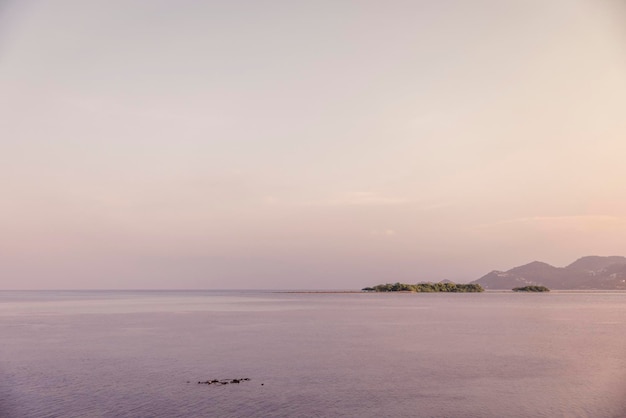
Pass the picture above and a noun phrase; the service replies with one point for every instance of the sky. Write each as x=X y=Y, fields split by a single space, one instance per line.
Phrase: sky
x=306 y=145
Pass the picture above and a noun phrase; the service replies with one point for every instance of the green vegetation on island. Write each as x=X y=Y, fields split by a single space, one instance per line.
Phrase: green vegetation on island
x=426 y=287
x=531 y=289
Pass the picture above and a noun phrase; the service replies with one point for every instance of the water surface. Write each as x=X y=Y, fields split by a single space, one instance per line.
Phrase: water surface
x=141 y=354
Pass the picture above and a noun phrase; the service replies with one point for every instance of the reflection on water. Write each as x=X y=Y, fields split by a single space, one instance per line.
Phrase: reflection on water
x=116 y=354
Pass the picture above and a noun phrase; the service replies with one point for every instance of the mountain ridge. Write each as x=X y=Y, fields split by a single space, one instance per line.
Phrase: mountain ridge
x=586 y=273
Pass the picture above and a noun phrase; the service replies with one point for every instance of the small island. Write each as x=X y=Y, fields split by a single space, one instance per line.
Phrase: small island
x=426 y=287
x=531 y=289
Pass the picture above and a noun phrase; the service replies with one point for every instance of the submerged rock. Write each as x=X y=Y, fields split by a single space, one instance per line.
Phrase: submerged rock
x=220 y=382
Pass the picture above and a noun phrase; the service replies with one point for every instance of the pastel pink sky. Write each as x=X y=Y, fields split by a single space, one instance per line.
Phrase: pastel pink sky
x=321 y=144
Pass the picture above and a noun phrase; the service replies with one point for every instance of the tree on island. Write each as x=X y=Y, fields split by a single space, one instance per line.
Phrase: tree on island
x=425 y=287
x=531 y=289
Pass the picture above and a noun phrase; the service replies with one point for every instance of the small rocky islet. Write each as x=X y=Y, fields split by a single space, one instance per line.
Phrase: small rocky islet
x=531 y=289
x=220 y=382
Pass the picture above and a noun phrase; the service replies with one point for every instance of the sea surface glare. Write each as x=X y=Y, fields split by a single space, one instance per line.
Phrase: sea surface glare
x=142 y=353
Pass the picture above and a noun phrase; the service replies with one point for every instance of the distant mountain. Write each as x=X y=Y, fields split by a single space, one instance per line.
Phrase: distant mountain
x=595 y=263
x=592 y=272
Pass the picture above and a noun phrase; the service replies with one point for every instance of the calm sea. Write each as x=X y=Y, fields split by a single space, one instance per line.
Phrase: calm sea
x=141 y=354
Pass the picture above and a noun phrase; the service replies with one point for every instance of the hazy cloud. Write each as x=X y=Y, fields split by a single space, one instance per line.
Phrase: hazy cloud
x=560 y=221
